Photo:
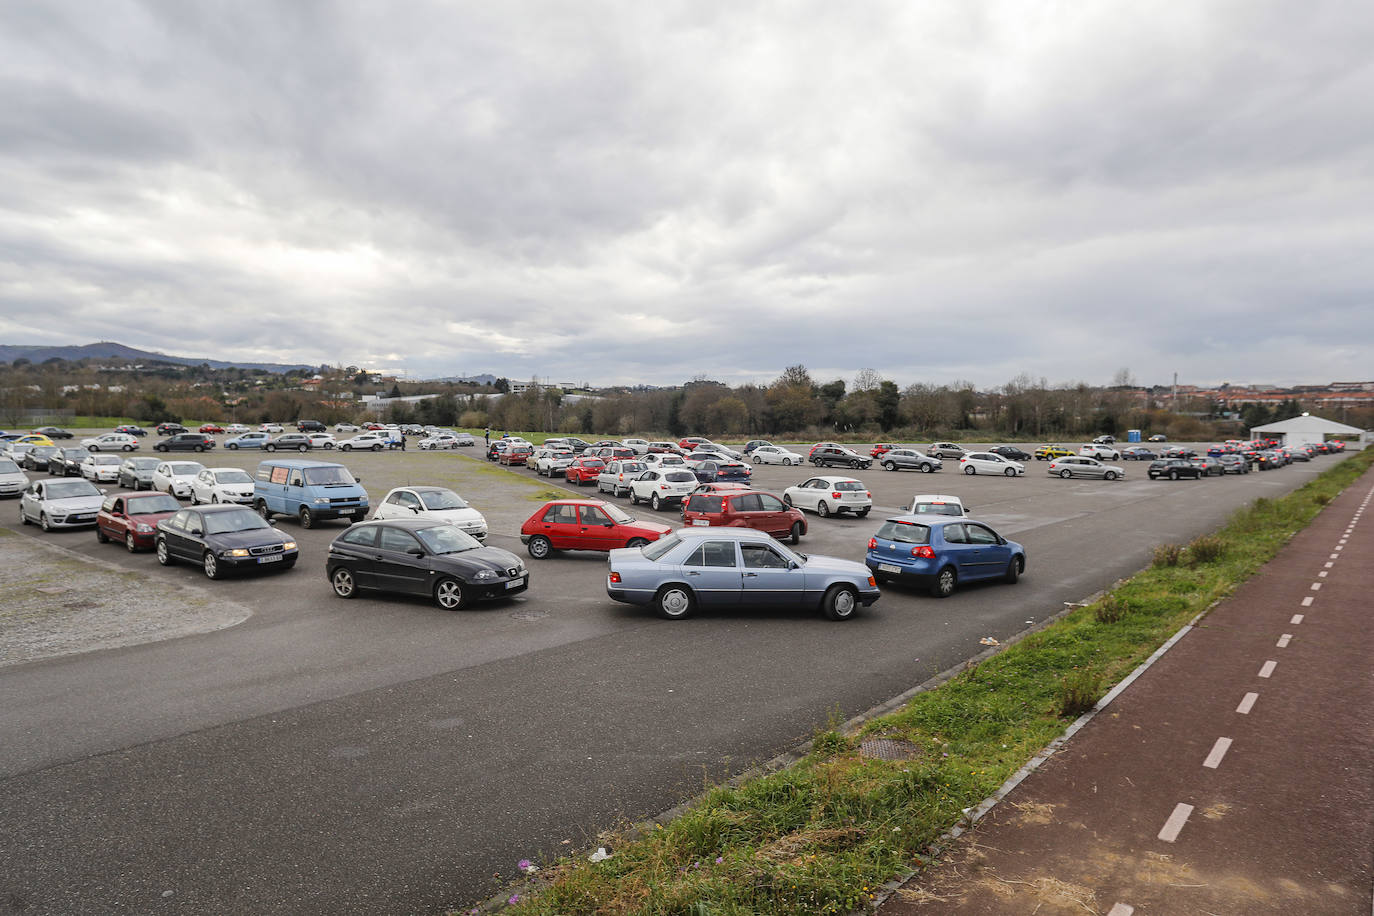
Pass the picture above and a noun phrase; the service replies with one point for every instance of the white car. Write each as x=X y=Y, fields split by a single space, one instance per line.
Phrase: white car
x=111 y=442
x=60 y=504
x=175 y=477
x=270 y=428
x=321 y=440
x=990 y=463
x=101 y=468
x=550 y=462
x=438 y=503
x=936 y=504
x=665 y=460
x=345 y=428
x=828 y=496
x=13 y=480
x=1099 y=451
x=222 y=485
x=375 y=440
x=641 y=446
x=662 y=486
x=616 y=476
x=775 y=454
x=438 y=441
x=235 y=429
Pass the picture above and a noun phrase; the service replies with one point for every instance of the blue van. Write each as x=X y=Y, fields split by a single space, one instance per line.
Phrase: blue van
x=309 y=490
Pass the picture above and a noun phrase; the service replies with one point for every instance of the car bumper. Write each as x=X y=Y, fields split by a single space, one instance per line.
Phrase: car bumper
x=919 y=572
x=483 y=591
x=286 y=559
x=338 y=511
x=75 y=520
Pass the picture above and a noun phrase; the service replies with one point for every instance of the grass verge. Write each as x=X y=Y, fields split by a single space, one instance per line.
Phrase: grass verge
x=821 y=836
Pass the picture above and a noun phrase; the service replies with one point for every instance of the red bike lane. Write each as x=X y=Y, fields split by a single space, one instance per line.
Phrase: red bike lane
x=1234 y=776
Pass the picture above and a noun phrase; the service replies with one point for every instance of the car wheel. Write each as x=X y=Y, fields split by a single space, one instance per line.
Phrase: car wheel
x=301 y=448
x=654 y=502
x=674 y=602
x=840 y=602
x=854 y=464
x=263 y=510
x=269 y=447
x=43 y=521
x=200 y=448
x=211 y=565
x=1110 y=475
x=307 y=518
x=1010 y=472
x=636 y=542
x=1173 y=475
x=164 y=556
x=970 y=469
x=796 y=534
x=787 y=462
x=101 y=536
x=377 y=447
x=539 y=547
x=1066 y=473
x=944 y=583
x=346 y=447
x=129 y=542
x=823 y=509
x=889 y=466
x=634 y=500
x=927 y=468
x=862 y=512
x=787 y=500
x=1014 y=570
x=449 y=595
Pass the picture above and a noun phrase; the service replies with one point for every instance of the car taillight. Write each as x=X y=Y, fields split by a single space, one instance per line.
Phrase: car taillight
x=836 y=496
x=663 y=486
x=615 y=578
x=867 y=495
x=872 y=582
x=872 y=543
x=925 y=552
x=720 y=473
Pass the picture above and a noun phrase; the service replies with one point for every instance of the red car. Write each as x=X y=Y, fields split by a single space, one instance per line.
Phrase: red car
x=585 y=524
x=211 y=428
x=691 y=442
x=746 y=509
x=584 y=470
x=823 y=445
x=722 y=486
x=516 y=455
x=132 y=518
x=881 y=448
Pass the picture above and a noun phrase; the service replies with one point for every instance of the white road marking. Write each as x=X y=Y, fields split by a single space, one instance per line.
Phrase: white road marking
x=1268 y=668
x=1218 y=751
x=1335 y=556
x=1283 y=641
x=1297 y=618
x=1316 y=586
x=1322 y=574
x=1175 y=822
x=1339 y=547
x=1247 y=704
x=1307 y=602
x=1329 y=564
x=1120 y=909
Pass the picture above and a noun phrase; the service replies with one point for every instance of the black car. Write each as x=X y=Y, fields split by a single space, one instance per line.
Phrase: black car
x=1173 y=468
x=1136 y=453
x=298 y=441
x=422 y=557
x=66 y=462
x=713 y=471
x=131 y=430
x=185 y=442
x=837 y=456
x=36 y=458
x=137 y=473
x=220 y=538
x=170 y=429
x=576 y=444
x=52 y=432
x=311 y=426
x=1178 y=451
x=1012 y=452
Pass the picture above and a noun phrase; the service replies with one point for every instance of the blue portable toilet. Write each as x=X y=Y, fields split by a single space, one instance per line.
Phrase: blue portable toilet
x=1132 y=435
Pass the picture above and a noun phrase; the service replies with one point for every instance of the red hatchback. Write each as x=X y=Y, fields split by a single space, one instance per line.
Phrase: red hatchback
x=132 y=518
x=211 y=428
x=746 y=509
x=881 y=449
x=584 y=470
x=691 y=442
x=516 y=455
x=585 y=524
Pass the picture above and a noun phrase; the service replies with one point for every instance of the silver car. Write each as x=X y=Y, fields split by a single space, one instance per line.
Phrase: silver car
x=60 y=503
x=1078 y=466
x=900 y=459
x=946 y=450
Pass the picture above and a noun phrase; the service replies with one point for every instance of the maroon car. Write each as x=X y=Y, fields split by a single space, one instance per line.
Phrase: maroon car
x=132 y=518
x=746 y=509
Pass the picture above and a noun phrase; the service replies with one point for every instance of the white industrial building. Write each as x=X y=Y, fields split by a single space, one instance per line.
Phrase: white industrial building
x=1307 y=428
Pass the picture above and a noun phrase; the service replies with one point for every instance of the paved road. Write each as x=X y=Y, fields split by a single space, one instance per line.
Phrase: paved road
x=1235 y=776
x=383 y=756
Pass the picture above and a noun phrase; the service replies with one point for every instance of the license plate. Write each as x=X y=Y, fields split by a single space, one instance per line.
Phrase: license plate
x=516 y=583
x=700 y=521
x=272 y=558
x=888 y=568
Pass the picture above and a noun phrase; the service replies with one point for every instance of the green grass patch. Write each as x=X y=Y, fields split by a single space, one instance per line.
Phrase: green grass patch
x=819 y=837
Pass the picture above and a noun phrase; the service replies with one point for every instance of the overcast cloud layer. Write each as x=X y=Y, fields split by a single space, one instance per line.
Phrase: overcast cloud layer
x=646 y=192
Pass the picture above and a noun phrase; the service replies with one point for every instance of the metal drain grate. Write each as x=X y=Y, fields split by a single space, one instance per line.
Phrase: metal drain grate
x=888 y=749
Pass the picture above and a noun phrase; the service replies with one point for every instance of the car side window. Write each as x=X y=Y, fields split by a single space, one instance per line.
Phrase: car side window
x=954 y=534
x=720 y=554
x=178 y=521
x=362 y=537
x=110 y=505
x=407 y=499
x=761 y=556
x=560 y=515
x=748 y=502
x=397 y=540
x=977 y=534
x=591 y=515
x=770 y=503
x=296 y=480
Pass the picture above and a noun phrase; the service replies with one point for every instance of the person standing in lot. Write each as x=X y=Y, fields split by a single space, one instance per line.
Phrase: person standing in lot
x=486 y=435
x=403 y=442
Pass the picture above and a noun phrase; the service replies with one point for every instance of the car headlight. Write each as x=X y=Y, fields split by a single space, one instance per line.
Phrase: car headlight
x=289 y=545
x=485 y=574
x=321 y=500
x=142 y=528
x=237 y=552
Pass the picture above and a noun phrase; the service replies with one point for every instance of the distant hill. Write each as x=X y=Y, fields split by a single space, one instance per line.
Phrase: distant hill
x=107 y=349
x=486 y=379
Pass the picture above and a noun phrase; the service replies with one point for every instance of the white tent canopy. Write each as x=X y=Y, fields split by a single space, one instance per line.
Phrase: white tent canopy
x=1306 y=428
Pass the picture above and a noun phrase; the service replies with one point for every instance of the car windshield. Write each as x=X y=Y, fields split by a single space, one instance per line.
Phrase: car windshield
x=704 y=503
x=905 y=532
x=335 y=475
x=234 y=476
x=661 y=546
x=442 y=499
x=67 y=489
x=44 y=451
x=148 y=505
x=8 y=467
x=845 y=486
x=617 y=514
x=183 y=468
x=447 y=539
x=105 y=459
x=235 y=520
x=143 y=464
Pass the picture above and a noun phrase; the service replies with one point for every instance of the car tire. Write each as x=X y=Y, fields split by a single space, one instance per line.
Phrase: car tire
x=970 y=469
x=539 y=547
x=450 y=596
x=1173 y=475
x=164 y=556
x=862 y=512
x=345 y=447
x=200 y=448
x=263 y=510
x=129 y=543
x=43 y=521
x=1014 y=570
x=787 y=500
x=210 y=565
x=637 y=542
x=927 y=468
x=1110 y=475
x=945 y=581
x=674 y=602
x=301 y=448
x=796 y=534
x=377 y=447
x=655 y=502
x=634 y=500
x=1066 y=473
x=307 y=518
x=841 y=602
x=855 y=464
x=269 y=447
x=889 y=466
x=787 y=462
x=823 y=509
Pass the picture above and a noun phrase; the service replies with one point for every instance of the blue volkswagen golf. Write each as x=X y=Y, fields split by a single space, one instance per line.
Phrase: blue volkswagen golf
x=940 y=552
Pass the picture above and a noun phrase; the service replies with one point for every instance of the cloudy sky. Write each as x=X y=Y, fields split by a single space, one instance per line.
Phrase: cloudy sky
x=647 y=192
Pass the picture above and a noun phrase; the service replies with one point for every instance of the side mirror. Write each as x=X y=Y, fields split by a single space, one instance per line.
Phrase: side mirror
x=416 y=552
x=196 y=532
x=103 y=491
x=608 y=524
x=415 y=509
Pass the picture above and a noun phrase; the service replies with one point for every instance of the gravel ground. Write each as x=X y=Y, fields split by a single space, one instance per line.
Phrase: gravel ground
x=43 y=613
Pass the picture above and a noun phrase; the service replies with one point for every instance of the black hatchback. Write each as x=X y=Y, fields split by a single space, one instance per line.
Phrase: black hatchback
x=1173 y=468
x=66 y=462
x=422 y=557
x=221 y=538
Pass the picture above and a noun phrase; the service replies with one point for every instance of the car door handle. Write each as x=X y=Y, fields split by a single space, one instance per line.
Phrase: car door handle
x=376 y=556
x=751 y=575
x=692 y=573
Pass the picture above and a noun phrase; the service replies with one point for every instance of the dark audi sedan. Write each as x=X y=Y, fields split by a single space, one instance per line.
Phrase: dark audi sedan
x=221 y=538
x=422 y=557
x=1173 y=468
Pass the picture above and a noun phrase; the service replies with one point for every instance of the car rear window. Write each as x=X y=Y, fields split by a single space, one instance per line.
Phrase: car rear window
x=680 y=476
x=845 y=486
x=937 y=509
x=704 y=503
x=905 y=532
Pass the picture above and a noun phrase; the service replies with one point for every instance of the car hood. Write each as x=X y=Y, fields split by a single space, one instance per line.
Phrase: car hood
x=77 y=503
x=453 y=516
x=641 y=525
x=257 y=537
x=821 y=564
x=493 y=558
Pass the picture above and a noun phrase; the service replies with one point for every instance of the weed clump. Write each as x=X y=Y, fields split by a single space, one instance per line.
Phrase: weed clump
x=1079 y=691
x=1111 y=609
x=1206 y=549
x=1168 y=555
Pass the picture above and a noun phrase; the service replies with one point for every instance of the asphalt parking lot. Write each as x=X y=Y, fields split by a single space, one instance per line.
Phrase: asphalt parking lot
x=382 y=755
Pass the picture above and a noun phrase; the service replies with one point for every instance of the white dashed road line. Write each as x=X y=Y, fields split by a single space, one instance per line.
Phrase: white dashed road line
x=1307 y=602
x=1218 y=751
x=1297 y=618
x=1247 y=704
x=1268 y=668
x=1283 y=640
x=1175 y=822
x=1316 y=586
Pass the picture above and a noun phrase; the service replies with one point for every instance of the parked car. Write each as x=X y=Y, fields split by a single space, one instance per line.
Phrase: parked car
x=937 y=504
x=131 y=518
x=552 y=462
x=185 y=442
x=640 y=446
x=617 y=476
x=435 y=504
x=36 y=457
x=610 y=453
x=137 y=473
x=940 y=553
x=833 y=456
x=1136 y=453
x=375 y=441
x=671 y=448
x=439 y=441
x=881 y=448
x=909 y=459
x=662 y=486
x=12 y=479
x=101 y=468
x=223 y=538
x=309 y=490
x=170 y=429
x=1158 y=437
x=131 y=429
x=211 y=428
x=733 y=567
x=66 y=462
x=288 y=442
x=585 y=524
x=321 y=440
x=1076 y=466
x=710 y=471
x=311 y=426
x=516 y=455
x=584 y=470
x=422 y=557
x=52 y=432
x=464 y=440
x=111 y=442
x=1210 y=467
x=773 y=454
x=689 y=443
x=1235 y=464
x=1012 y=452
x=746 y=509
x=753 y=444
x=828 y=496
x=270 y=428
x=946 y=450
x=1099 y=451
x=1051 y=452
x=1105 y=440
x=236 y=429
x=1178 y=451
x=222 y=485
x=175 y=477
x=248 y=440
x=53 y=504
x=665 y=460
x=990 y=463
x=35 y=439
x=1173 y=468
x=345 y=427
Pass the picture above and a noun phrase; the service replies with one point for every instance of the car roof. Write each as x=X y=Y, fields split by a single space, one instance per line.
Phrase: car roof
x=936 y=498
x=301 y=463
x=833 y=478
x=221 y=508
x=733 y=534
x=414 y=524
x=931 y=521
